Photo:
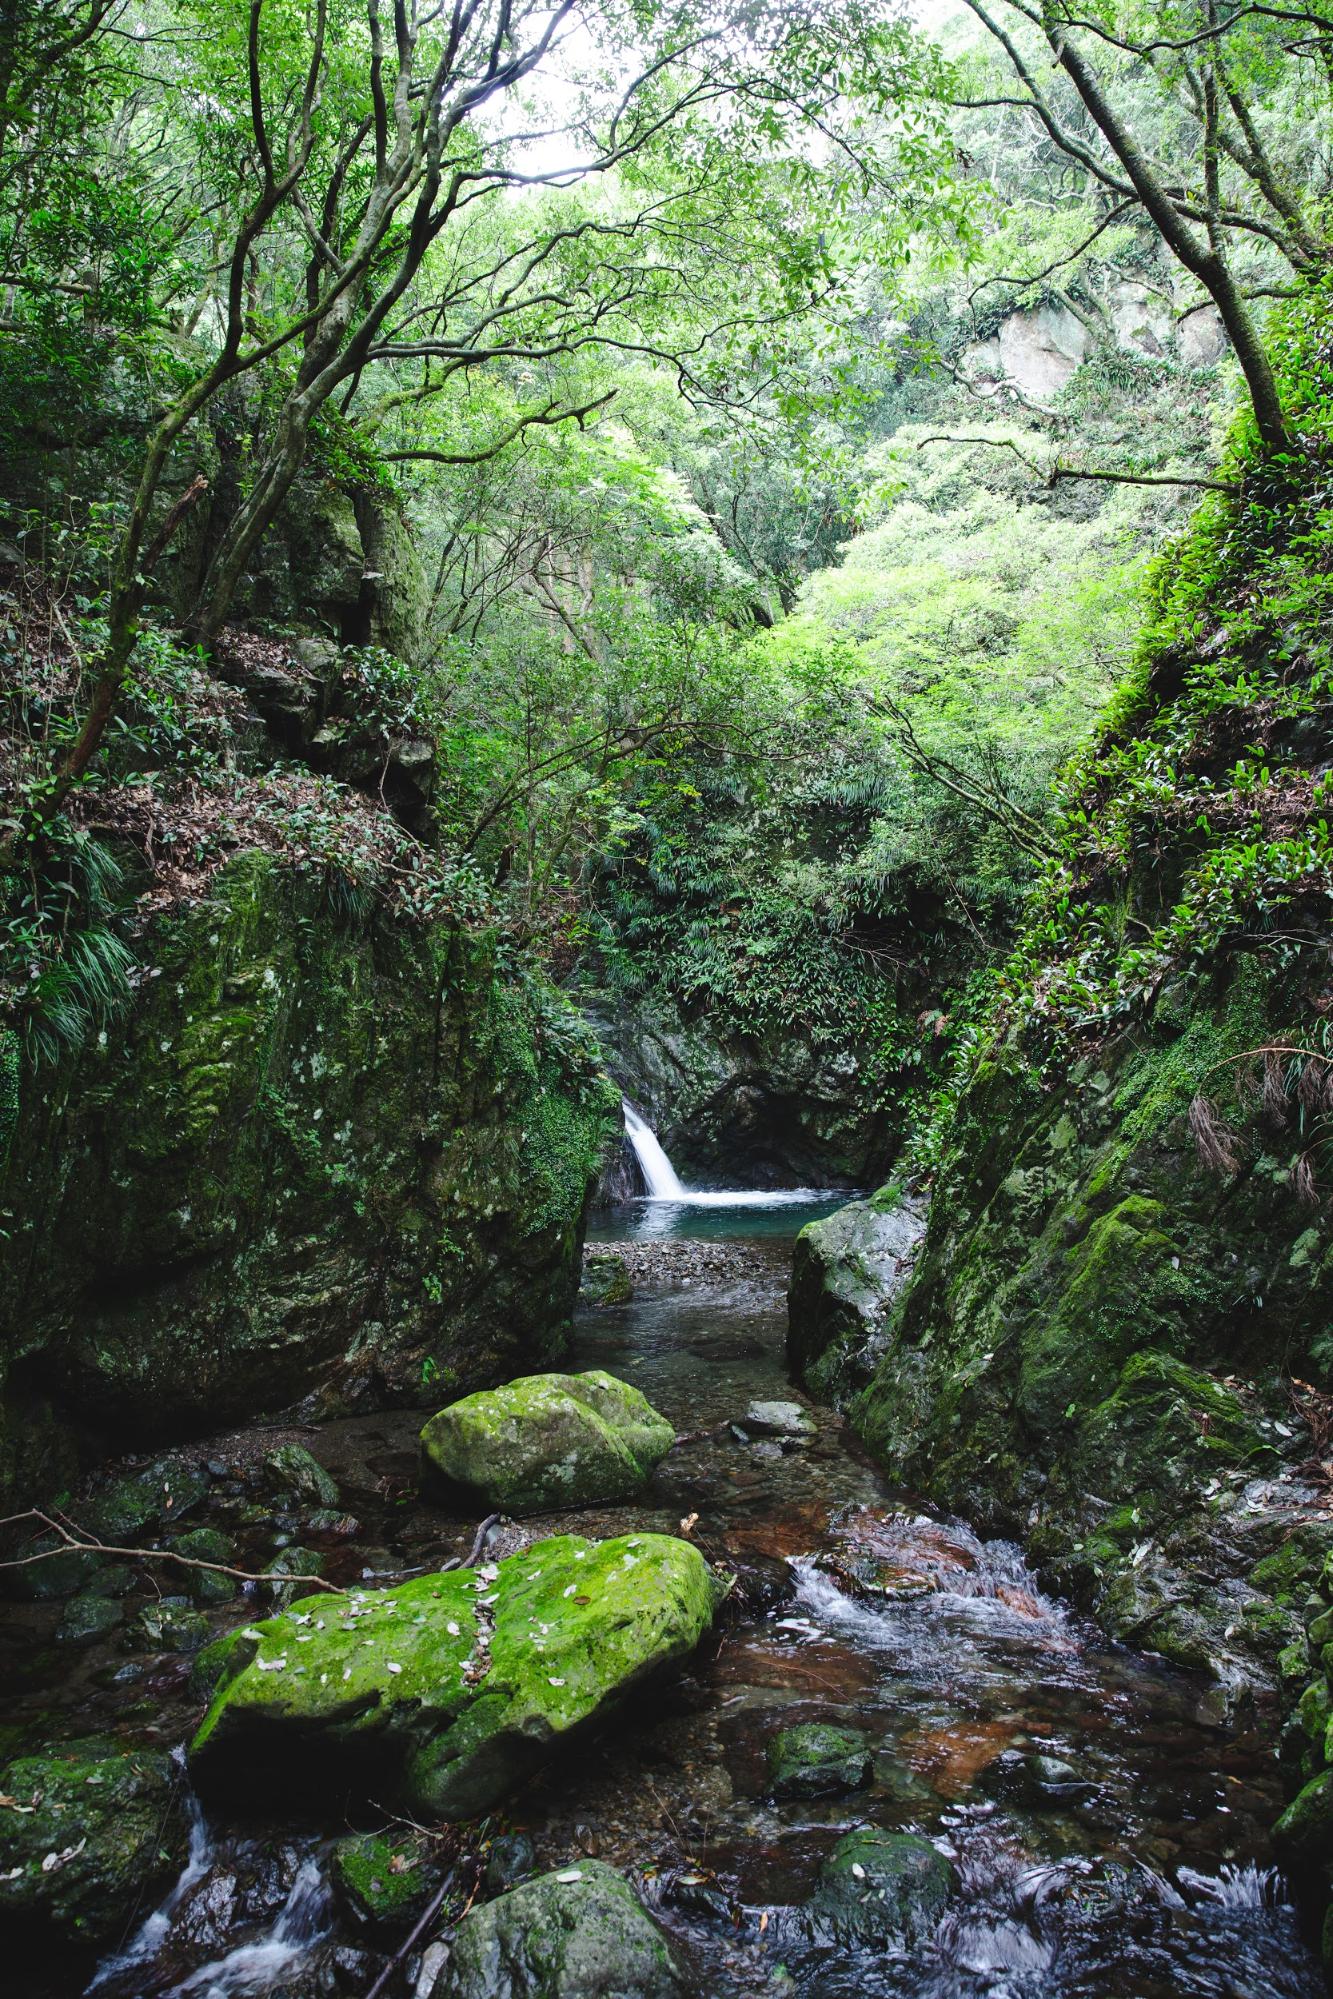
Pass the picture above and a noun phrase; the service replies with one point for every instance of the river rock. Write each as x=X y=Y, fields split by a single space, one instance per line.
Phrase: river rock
x=847 y=1271
x=547 y=1441
x=88 y=1617
x=386 y=1879
x=815 y=1760
x=445 y=1691
x=787 y=1420
x=606 y=1281
x=100 y=1832
x=580 y=1933
x=291 y=1468
x=882 y=1888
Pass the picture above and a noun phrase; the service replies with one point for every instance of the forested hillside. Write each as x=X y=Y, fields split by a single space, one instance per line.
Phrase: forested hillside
x=770 y=562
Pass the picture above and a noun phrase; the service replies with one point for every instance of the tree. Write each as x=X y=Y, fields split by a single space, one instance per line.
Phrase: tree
x=1220 y=171
x=370 y=203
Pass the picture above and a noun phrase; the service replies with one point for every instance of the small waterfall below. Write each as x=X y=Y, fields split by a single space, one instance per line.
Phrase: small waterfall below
x=659 y=1175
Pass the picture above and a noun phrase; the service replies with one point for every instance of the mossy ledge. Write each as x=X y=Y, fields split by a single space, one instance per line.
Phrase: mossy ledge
x=328 y=1159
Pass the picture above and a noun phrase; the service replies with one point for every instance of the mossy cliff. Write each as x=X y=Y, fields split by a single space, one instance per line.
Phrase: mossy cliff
x=1093 y=1350
x=1116 y=1339
x=327 y=1154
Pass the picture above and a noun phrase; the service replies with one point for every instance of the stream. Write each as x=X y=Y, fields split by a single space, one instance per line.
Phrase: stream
x=1105 y=1826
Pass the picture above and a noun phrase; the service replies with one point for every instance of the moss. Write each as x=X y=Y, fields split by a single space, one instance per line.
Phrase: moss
x=385 y=1879
x=1111 y=1293
x=112 y=1818
x=547 y=1441
x=1303 y=1835
x=320 y=1148
x=446 y=1690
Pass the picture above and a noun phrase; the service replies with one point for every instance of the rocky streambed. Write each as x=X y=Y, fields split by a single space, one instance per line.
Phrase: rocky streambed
x=886 y=1764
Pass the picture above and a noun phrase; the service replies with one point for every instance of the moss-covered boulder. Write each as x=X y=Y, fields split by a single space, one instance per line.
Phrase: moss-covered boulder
x=444 y=1692
x=547 y=1441
x=881 y=1888
x=1303 y=1835
x=89 y=1832
x=330 y=1151
x=580 y=1933
x=816 y=1760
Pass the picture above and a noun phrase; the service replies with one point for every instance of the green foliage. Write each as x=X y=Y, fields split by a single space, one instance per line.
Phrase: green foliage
x=1193 y=829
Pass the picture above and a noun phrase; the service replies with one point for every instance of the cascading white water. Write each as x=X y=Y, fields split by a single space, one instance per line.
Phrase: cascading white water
x=659 y=1175
x=664 y=1184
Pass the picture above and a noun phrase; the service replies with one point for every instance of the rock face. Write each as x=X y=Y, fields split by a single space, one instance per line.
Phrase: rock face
x=547 y=1441
x=753 y=1110
x=444 y=1693
x=882 y=1888
x=1088 y=1353
x=580 y=1933
x=101 y=1830
x=1038 y=351
x=322 y=1153
x=847 y=1271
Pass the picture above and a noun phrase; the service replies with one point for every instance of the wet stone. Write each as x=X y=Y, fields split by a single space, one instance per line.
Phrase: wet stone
x=385 y=1879
x=510 y=1858
x=579 y=1933
x=606 y=1281
x=172 y=1627
x=101 y=1829
x=882 y=1887
x=88 y=1618
x=778 y=1419
x=292 y=1469
x=816 y=1760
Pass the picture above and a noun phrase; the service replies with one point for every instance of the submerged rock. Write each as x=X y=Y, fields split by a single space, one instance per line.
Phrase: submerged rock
x=882 y=1887
x=580 y=1933
x=547 y=1441
x=92 y=1831
x=445 y=1691
x=815 y=1760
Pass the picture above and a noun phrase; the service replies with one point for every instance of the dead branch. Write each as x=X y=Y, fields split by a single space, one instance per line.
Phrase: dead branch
x=78 y=1541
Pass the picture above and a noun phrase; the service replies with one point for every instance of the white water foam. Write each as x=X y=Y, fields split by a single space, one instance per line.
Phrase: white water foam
x=150 y=1936
x=303 y=1921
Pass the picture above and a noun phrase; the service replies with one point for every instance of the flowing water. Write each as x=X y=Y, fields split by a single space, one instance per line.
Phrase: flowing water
x=1106 y=1829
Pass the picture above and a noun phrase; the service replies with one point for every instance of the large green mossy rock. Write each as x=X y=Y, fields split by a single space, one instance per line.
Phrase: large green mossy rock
x=580 y=1933
x=89 y=1831
x=882 y=1888
x=445 y=1692
x=547 y=1441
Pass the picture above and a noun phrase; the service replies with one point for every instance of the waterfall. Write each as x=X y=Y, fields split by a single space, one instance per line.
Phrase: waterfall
x=658 y=1173
x=663 y=1183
